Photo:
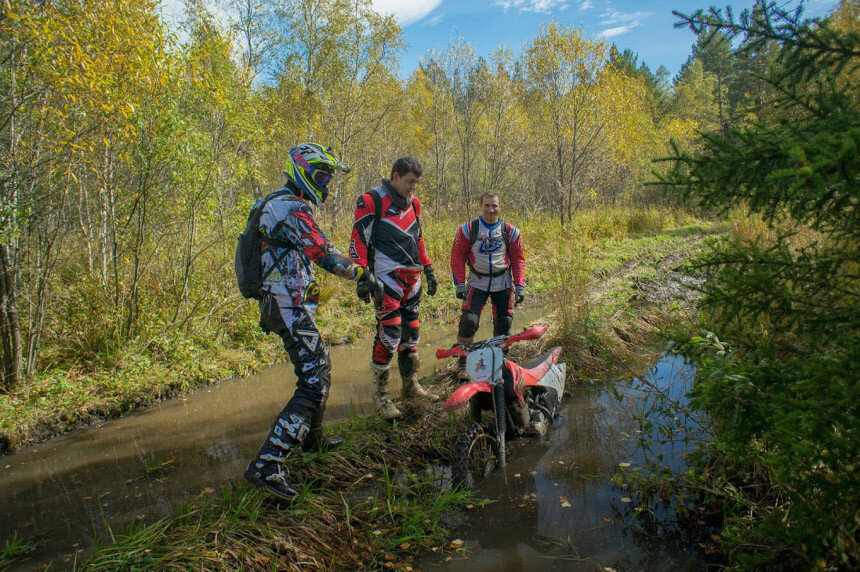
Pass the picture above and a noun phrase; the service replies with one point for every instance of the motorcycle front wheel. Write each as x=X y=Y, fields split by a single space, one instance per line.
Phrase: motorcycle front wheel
x=476 y=457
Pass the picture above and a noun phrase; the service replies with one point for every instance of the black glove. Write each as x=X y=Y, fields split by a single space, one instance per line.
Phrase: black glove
x=519 y=295
x=461 y=292
x=362 y=291
x=432 y=283
x=369 y=287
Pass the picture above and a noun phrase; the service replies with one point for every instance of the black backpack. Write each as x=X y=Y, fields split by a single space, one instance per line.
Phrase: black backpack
x=249 y=248
x=473 y=233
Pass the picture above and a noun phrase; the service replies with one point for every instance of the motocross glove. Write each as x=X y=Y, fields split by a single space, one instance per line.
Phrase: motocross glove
x=369 y=287
x=519 y=294
x=432 y=283
x=462 y=289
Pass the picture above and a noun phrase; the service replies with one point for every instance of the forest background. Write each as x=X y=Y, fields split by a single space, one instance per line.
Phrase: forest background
x=129 y=161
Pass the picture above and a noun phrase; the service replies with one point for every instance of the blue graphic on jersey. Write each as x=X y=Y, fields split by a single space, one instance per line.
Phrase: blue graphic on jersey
x=490 y=246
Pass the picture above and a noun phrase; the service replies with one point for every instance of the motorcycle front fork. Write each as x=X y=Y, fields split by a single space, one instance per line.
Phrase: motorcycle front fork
x=499 y=416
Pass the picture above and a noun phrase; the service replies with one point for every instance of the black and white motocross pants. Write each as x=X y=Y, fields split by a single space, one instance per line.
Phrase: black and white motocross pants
x=311 y=363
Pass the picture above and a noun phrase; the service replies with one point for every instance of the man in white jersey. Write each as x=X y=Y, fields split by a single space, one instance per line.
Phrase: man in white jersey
x=493 y=251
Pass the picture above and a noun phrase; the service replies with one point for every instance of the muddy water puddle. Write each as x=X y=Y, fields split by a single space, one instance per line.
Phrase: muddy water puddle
x=70 y=492
x=555 y=508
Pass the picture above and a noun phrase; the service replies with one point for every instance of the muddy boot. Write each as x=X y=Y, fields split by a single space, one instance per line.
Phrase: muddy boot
x=267 y=469
x=316 y=441
x=383 y=401
x=408 y=364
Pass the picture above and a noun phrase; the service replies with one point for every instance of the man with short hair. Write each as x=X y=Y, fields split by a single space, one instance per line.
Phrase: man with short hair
x=493 y=251
x=292 y=242
x=387 y=237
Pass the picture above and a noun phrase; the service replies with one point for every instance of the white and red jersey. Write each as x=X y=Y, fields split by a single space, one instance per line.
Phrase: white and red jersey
x=492 y=267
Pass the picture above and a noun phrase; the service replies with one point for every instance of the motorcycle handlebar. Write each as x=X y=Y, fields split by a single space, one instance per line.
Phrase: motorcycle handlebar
x=455 y=351
x=532 y=333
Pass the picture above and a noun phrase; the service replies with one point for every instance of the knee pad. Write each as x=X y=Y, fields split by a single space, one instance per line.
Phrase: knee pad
x=381 y=354
x=469 y=323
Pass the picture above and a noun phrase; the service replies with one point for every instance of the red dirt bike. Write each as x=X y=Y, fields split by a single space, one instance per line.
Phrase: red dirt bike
x=523 y=400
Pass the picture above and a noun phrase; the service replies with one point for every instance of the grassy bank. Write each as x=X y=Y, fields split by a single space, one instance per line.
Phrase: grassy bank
x=79 y=385
x=774 y=466
x=379 y=501
x=364 y=506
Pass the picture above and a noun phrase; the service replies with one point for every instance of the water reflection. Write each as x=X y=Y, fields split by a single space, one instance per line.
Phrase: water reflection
x=69 y=492
x=530 y=527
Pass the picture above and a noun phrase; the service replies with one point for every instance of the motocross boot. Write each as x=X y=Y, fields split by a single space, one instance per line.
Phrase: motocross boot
x=408 y=364
x=383 y=401
x=316 y=441
x=267 y=469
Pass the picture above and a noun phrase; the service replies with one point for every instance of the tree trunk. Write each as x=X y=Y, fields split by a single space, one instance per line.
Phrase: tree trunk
x=10 y=325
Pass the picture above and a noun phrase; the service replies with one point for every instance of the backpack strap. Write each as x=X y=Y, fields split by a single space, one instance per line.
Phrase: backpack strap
x=268 y=239
x=473 y=233
x=473 y=238
x=277 y=194
x=377 y=214
x=377 y=208
x=377 y=204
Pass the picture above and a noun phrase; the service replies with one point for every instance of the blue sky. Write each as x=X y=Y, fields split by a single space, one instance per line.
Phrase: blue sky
x=644 y=26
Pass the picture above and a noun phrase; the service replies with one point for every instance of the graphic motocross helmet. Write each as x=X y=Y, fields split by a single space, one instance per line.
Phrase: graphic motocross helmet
x=311 y=167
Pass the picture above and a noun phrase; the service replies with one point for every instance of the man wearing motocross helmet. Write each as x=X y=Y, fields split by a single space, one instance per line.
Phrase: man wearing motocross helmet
x=292 y=241
x=387 y=236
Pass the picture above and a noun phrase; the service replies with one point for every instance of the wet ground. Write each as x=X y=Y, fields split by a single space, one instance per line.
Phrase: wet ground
x=70 y=492
x=555 y=507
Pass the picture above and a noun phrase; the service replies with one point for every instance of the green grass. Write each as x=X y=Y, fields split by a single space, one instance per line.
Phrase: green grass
x=15 y=547
x=359 y=507
x=76 y=387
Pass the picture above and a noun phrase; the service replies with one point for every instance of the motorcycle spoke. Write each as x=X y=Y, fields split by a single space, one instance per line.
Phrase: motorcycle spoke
x=477 y=457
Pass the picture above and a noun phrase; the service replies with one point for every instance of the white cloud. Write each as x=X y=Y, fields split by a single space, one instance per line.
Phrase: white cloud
x=617 y=31
x=539 y=6
x=613 y=16
x=586 y=5
x=628 y=21
x=432 y=21
x=406 y=11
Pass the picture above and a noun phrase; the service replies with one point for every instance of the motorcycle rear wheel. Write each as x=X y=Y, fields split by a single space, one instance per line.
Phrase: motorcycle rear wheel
x=476 y=457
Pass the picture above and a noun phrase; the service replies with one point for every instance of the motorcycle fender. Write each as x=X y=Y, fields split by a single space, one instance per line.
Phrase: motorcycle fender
x=534 y=375
x=554 y=378
x=463 y=394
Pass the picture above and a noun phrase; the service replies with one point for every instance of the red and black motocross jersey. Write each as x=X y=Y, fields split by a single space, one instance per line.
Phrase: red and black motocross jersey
x=396 y=237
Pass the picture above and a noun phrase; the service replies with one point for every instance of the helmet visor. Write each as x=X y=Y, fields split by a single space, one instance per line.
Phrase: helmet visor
x=320 y=177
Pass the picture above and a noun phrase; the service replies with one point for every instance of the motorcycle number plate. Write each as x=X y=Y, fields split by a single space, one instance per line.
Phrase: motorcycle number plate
x=483 y=364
